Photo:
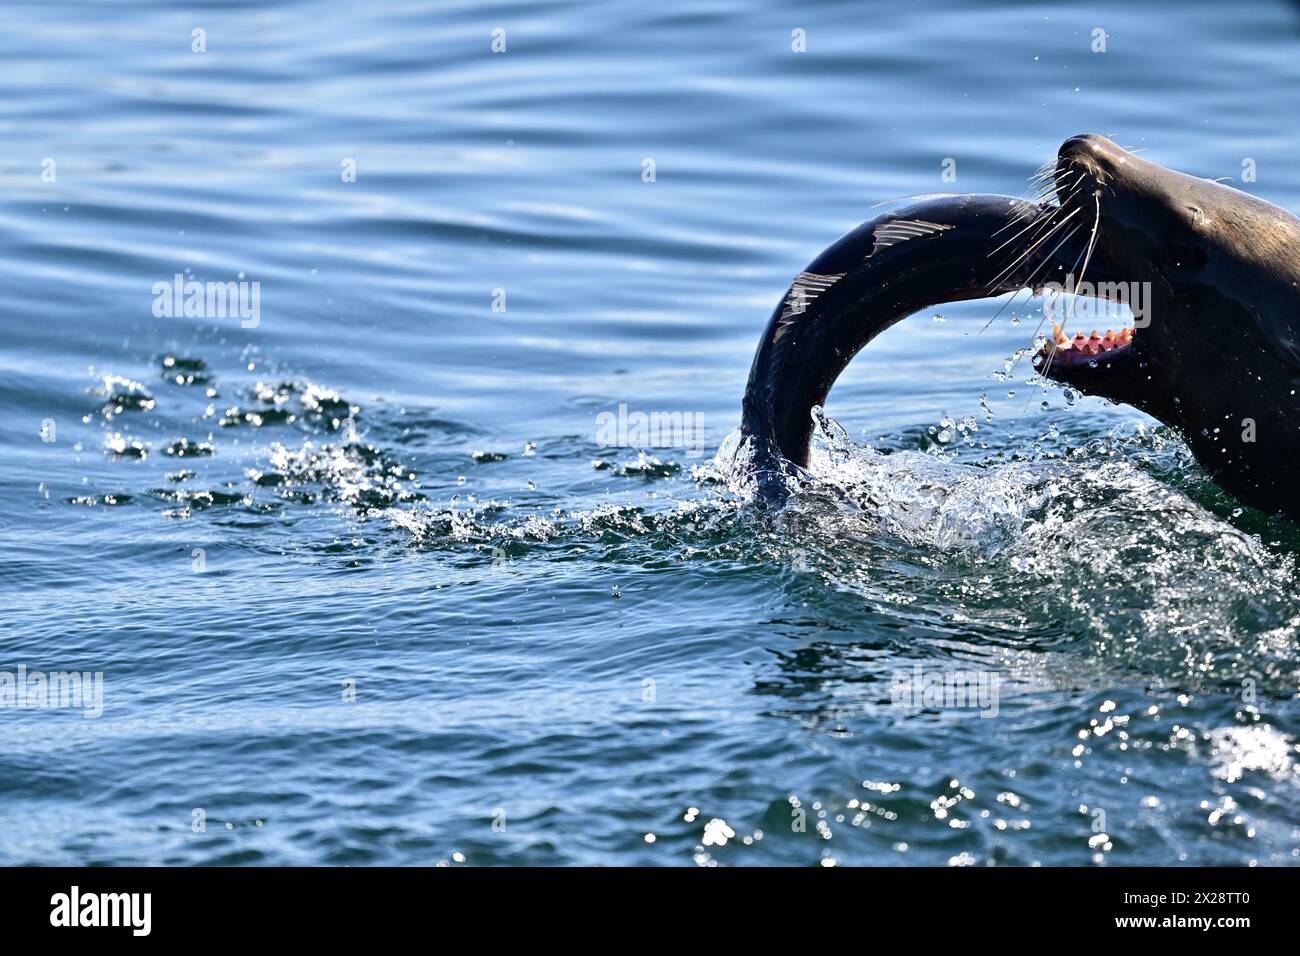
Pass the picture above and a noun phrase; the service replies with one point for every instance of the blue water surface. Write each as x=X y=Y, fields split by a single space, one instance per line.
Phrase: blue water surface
x=366 y=584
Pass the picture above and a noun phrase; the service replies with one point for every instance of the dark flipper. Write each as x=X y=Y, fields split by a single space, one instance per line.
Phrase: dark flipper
x=931 y=252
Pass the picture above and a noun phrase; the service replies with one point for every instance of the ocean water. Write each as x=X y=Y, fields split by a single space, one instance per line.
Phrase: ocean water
x=363 y=579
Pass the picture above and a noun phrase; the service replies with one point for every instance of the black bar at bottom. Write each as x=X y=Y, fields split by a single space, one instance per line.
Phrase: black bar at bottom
x=335 y=905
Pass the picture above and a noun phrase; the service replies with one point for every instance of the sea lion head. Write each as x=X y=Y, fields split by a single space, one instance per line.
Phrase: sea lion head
x=1212 y=276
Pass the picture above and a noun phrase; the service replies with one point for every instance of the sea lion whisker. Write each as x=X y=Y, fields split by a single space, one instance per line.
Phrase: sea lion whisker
x=1042 y=186
x=1046 y=309
x=1059 y=293
x=1092 y=241
x=1019 y=259
x=1030 y=204
x=1073 y=187
x=1029 y=281
x=1001 y=309
x=1024 y=209
x=1038 y=224
x=1048 y=192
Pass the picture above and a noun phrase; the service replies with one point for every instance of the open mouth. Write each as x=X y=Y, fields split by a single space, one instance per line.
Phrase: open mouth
x=1077 y=183
x=1092 y=350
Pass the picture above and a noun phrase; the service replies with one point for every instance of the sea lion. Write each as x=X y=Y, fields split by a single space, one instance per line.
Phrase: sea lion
x=1212 y=273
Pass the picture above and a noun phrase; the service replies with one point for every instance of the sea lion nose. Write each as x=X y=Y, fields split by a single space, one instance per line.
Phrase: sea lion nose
x=1089 y=148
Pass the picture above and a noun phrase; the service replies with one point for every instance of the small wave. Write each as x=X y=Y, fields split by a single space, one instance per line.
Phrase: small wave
x=1093 y=543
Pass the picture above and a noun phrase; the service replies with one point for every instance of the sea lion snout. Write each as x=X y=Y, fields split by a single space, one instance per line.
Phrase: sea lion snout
x=1093 y=151
x=1093 y=161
